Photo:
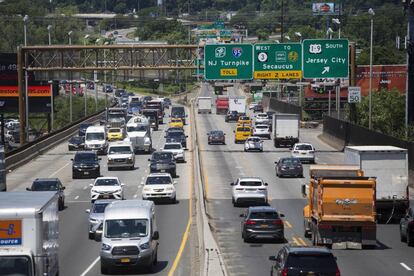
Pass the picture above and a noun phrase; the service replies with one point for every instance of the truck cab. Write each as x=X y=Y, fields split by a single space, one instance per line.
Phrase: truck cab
x=139 y=133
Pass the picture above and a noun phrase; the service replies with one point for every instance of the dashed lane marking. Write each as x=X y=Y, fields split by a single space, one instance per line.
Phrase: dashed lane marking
x=406 y=266
x=76 y=197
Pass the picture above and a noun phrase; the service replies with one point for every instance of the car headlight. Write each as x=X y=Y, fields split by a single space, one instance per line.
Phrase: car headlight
x=145 y=245
x=169 y=189
x=130 y=158
x=147 y=141
x=118 y=191
x=106 y=247
x=96 y=166
x=92 y=220
x=76 y=166
x=94 y=191
x=109 y=158
x=147 y=189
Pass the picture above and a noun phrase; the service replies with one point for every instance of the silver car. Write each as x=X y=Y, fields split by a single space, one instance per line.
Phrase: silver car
x=253 y=143
x=96 y=215
x=249 y=190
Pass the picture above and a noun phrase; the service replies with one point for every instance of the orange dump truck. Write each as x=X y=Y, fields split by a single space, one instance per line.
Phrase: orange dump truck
x=340 y=212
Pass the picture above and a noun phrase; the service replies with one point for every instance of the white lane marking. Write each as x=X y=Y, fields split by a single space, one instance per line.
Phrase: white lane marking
x=135 y=196
x=91 y=266
x=405 y=266
x=78 y=201
x=149 y=165
x=53 y=174
x=76 y=197
x=86 y=187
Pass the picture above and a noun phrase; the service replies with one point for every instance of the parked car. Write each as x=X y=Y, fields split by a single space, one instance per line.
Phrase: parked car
x=96 y=215
x=262 y=222
x=304 y=151
x=249 y=190
x=76 y=143
x=299 y=260
x=107 y=188
x=262 y=131
x=289 y=166
x=163 y=162
x=216 y=137
x=49 y=184
x=177 y=149
x=86 y=164
x=83 y=127
x=159 y=186
x=253 y=143
x=407 y=227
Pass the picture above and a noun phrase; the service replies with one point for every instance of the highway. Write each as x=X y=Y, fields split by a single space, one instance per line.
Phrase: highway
x=222 y=164
x=80 y=256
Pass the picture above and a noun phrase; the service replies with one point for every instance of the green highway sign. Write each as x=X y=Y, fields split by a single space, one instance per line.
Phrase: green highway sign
x=325 y=58
x=277 y=61
x=228 y=62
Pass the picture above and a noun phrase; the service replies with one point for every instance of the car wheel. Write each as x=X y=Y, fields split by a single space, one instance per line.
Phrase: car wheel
x=174 y=174
x=402 y=237
x=410 y=239
x=91 y=236
x=109 y=169
x=174 y=200
x=105 y=269
x=246 y=239
x=74 y=176
x=208 y=143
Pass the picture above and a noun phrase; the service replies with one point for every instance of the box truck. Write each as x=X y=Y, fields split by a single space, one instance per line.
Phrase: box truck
x=285 y=129
x=204 y=104
x=390 y=166
x=29 y=228
x=237 y=104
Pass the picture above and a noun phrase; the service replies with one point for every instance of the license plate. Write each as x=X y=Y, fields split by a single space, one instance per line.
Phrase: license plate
x=105 y=196
x=303 y=153
x=162 y=170
x=125 y=260
x=86 y=173
x=264 y=226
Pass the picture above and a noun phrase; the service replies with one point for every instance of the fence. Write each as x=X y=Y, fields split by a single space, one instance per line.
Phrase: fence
x=284 y=107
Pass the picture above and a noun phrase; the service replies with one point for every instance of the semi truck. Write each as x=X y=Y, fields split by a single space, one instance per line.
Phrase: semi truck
x=237 y=104
x=204 y=104
x=139 y=133
x=390 y=166
x=285 y=129
x=222 y=104
x=340 y=212
x=29 y=226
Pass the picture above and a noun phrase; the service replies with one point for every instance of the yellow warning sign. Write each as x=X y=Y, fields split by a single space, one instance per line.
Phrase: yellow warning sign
x=231 y=72
x=294 y=74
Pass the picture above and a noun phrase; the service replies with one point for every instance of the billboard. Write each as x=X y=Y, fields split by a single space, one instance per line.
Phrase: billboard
x=323 y=9
x=10 y=232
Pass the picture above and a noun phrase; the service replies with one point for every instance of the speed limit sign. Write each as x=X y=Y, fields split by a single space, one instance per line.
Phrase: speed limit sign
x=354 y=94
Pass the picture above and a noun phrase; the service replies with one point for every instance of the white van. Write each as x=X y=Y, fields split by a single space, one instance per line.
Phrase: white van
x=95 y=139
x=129 y=235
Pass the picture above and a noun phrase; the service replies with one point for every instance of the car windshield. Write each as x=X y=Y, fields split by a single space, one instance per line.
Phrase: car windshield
x=250 y=183
x=311 y=261
x=243 y=118
x=114 y=130
x=243 y=129
x=85 y=157
x=303 y=147
x=216 y=132
x=119 y=149
x=126 y=228
x=99 y=207
x=106 y=182
x=116 y=116
x=76 y=139
x=95 y=136
x=158 y=180
x=262 y=127
x=177 y=111
x=175 y=134
x=45 y=186
x=172 y=146
x=176 y=120
x=262 y=115
x=264 y=215
x=135 y=104
x=136 y=128
x=162 y=156
x=292 y=161
x=254 y=140
x=15 y=266
x=84 y=126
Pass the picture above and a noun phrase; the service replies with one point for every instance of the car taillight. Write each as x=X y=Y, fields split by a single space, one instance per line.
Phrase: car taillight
x=337 y=273
x=277 y=222
x=311 y=151
x=250 y=222
x=295 y=151
x=285 y=272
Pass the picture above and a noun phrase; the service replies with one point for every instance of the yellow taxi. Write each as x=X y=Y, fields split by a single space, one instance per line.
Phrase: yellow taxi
x=244 y=120
x=176 y=122
x=115 y=133
x=242 y=132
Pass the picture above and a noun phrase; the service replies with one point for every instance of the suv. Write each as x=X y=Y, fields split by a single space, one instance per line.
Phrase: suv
x=262 y=222
x=83 y=127
x=178 y=112
x=249 y=190
x=49 y=184
x=176 y=136
x=96 y=214
x=107 y=188
x=176 y=149
x=121 y=154
x=85 y=163
x=159 y=186
x=163 y=162
x=297 y=260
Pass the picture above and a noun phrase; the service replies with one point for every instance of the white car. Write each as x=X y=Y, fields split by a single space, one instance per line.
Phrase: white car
x=262 y=118
x=262 y=131
x=159 y=186
x=121 y=155
x=176 y=149
x=107 y=188
x=253 y=143
x=304 y=151
x=252 y=105
x=249 y=190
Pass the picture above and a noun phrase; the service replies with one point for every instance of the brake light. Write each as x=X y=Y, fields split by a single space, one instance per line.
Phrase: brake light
x=285 y=272
x=250 y=222
x=311 y=151
x=337 y=273
x=324 y=226
x=295 y=151
x=278 y=222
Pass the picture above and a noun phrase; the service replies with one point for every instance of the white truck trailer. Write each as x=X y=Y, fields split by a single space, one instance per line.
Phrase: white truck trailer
x=390 y=166
x=237 y=104
x=285 y=129
x=204 y=104
x=29 y=228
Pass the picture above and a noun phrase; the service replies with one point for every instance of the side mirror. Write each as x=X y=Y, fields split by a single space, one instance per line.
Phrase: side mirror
x=122 y=184
x=149 y=159
x=272 y=258
x=234 y=131
x=88 y=211
x=186 y=136
x=276 y=162
x=71 y=159
x=175 y=182
x=266 y=184
x=165 y=136
x=155 y=236
x=242 y=215
x=98 y=236
x=28 y=189
x=281 y=215
x=232 y=184
x=99 y=158
x=224 y=134
x=91 y=185
x=63 y=187
x=303 y=190
x=290 y=148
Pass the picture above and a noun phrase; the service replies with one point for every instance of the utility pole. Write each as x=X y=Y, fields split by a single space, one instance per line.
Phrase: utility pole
x=409 y=8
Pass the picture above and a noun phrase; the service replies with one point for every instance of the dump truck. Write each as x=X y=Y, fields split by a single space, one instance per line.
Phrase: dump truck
x=340 y=212
x=389 y=165
x=222 y=104
x=29 y=236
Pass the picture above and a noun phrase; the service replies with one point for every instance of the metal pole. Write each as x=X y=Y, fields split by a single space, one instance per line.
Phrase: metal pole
x=329 y=103
x=407 y=85
x=22 y=98
x=95 y=84
x=85 y=99
x=52 y=114
x=70 y=99
x=50 y=38
x=25 y=33
x=370 y=76
x=338 y=100
x=300 y=94
x=339 y=31
x=281 y=22
x=26 y=85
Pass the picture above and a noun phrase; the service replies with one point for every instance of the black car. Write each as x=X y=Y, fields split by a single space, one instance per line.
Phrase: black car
x=86 y=164
x=76 y=143
x=262 y=222
x=175 y=136
x=407 y=227
x=216 y=137
x=108 y=88
x=49 y=184
x=163 y=162
x=83 y=127
x=289 y=166
x=174 y=129
x=119 y=93
x=167 y=102
x=296 y=260
x=232 y=116
x=258 y=108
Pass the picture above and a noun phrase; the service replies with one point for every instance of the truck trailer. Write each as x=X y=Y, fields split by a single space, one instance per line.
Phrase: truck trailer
x=340 y=212
x=204 y=104
x=29 y=241
x=390 y=166
x=285 y=129
x=222 y=104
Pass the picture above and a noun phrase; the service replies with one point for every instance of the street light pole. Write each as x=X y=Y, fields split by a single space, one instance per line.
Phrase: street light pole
x=26 y=78
x=49 y=29
x=70 y=37
x=372 y=13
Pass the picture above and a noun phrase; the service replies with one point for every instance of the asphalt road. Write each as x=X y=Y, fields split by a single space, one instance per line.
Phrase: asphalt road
x=80 y=256
x=222 y=164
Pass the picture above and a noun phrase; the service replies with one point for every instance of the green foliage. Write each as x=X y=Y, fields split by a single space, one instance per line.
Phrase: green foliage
x=162 y=29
